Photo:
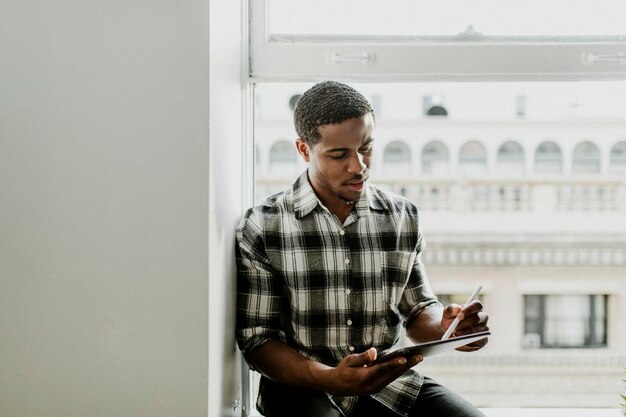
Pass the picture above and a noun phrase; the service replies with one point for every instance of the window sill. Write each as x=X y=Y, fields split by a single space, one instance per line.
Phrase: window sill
x=539 y=412
x=551 y=412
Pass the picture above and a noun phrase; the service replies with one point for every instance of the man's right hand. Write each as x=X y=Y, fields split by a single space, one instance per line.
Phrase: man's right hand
x=357 y=375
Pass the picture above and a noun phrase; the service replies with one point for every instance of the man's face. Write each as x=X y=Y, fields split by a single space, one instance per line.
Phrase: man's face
x=339 y=162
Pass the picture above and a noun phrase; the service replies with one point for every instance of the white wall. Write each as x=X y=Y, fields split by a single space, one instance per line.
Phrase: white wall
x=105 y=180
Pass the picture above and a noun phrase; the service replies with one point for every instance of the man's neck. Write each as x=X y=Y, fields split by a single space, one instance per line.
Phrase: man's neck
x=342 y=210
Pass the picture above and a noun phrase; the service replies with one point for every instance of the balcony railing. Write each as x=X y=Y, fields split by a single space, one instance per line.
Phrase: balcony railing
x=512 y=195
x=463 y=195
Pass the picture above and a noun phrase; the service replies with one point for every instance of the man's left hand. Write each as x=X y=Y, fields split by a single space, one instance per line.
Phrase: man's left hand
x=472 y=320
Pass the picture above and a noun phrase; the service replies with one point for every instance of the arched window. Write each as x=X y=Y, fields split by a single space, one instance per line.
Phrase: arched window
x=437 y=111
x=283 y=159
x=396 y=158
x=432 y=105
x=617 y=159
x=283 y=151
x=293 y=100
x=586 y=159
x=473 y=159
x=435 y=158
x=548 y=158
x=397 y=151
x=510 y=159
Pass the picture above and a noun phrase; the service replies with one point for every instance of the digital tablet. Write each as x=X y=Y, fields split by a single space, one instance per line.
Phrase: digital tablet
x=433 y=348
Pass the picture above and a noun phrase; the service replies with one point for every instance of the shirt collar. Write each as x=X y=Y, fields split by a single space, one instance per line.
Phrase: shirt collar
x=305 y=199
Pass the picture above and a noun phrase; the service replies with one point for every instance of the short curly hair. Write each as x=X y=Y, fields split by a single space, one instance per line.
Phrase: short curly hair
x=328 y=102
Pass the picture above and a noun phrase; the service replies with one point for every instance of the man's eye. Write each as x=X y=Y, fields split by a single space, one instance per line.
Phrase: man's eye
x=366 y=150
x=340 y=156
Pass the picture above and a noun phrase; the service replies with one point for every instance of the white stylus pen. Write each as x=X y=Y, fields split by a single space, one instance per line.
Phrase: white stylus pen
x=456 y=321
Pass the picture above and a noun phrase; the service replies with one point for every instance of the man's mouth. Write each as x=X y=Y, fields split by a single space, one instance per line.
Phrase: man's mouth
x=357 y=185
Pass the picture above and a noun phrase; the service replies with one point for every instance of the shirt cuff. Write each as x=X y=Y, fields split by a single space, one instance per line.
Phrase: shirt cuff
x=415 y=311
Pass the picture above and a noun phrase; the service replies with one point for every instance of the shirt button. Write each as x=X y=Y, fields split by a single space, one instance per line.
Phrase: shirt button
x=342 y=232
x=349 y=322
x=351 y=348
x=347 y=261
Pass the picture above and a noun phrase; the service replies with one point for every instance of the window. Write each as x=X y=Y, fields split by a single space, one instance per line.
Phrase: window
x=548 y=158
x=375 y=102
x=460 y=299
x=542 y=84
x=510 y=229
x=397 y=152
x=565 y=321
x=473 y=159
x=433 y=106
x=427 y=40
x=397 y=158
x=437 y=111
x=520 y=106
x=617 y=160
x=435 y=159
x=441 y=21
x=511 y=159
x=283 y=152
x=586 y=159
x=293 y=100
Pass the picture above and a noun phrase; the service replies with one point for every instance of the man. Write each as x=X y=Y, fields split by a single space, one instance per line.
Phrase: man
x=329 y=270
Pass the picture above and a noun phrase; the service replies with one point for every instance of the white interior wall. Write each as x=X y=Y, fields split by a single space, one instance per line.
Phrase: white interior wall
x=108 y=207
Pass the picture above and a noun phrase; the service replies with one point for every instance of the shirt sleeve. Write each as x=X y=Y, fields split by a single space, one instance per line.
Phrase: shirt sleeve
x=259 y=290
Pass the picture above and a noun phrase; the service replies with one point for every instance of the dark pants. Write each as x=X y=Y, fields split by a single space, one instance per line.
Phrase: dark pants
x=287 y=401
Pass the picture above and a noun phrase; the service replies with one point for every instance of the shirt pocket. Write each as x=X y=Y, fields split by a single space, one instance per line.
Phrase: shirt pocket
x=396 y=270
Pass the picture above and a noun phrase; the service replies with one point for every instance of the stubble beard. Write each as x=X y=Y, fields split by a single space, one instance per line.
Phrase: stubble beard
x=350 y=201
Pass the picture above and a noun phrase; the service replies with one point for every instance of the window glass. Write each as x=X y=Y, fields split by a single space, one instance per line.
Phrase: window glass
x=550 y=231
x=566 y=320
x=435 y=159
x=586 y=158
x=283 y=162
x=283 y=151
x=460 y=299
x=473 y=159
x=510 y=159
x=293 y=100
x=618 y=159
x=397 y=152
x=548 y=158
x=397 y=159
x=432 y=18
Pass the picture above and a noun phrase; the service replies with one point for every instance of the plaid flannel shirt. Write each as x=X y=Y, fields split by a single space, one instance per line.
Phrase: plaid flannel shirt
x=329 y=289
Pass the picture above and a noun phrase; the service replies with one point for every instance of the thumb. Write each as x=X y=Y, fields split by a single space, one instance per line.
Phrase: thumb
x=361 y=359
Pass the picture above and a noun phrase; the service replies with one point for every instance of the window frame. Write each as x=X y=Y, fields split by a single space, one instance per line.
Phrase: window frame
x=402 y=58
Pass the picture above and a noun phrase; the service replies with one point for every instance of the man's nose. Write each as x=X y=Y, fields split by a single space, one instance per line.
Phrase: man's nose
x=357 y=164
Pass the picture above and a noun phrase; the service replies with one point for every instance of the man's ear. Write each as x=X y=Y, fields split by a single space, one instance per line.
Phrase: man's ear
x=303 y=149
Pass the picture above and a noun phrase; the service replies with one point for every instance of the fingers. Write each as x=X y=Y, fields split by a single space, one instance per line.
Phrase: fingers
x=473 y=314
x=483 y=318
x=407 y=362
x=386 y=372
x=472 y=319
x=472 y=308
x=361 y=377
